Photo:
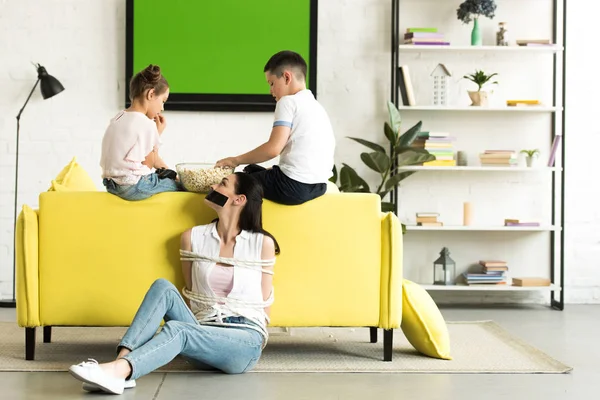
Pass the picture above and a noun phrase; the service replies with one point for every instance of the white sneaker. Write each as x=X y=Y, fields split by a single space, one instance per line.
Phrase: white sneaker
x=90 y=372
x=88 y=387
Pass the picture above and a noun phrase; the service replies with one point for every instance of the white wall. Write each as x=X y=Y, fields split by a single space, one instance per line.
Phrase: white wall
x=82 y=43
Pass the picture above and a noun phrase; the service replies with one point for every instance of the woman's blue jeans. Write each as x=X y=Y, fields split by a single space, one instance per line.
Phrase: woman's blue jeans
x=232 y=350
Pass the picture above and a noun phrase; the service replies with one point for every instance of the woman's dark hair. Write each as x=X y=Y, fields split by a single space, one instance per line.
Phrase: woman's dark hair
x=149 y=78
x=251 y=216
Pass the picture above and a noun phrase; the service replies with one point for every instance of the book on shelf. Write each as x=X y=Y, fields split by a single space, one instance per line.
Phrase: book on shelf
x=427 y=214
x=555 y=145
x=534 y=42
x=423 y=42
x=440 y=163
x=493 y=263
x=421 y=30
x=438 y=223
x=498 y=158
x=517 y=103
x=423 y=35
x=407 y=92
x=524 y=224
x=533 y=281
x=427 y=219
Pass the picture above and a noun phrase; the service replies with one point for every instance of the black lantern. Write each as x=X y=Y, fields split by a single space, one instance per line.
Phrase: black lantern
x=444 y=269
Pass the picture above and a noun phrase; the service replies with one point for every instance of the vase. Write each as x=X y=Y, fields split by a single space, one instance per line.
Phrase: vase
x=479 y=98
x=530 y=161
x=476 y=33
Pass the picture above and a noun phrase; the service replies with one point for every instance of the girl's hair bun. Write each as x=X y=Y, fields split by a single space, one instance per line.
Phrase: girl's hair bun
x=151 y=74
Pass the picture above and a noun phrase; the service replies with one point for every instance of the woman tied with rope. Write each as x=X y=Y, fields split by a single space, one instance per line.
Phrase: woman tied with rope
x=228 y=272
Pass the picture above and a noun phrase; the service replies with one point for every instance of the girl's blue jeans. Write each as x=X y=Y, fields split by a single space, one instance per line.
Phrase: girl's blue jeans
x=147 y=186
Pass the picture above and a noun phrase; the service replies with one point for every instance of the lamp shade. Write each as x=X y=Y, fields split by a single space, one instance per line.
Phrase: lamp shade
x=49 y=85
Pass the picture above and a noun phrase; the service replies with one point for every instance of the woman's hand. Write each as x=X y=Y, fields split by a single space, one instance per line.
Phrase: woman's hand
x=229 y=162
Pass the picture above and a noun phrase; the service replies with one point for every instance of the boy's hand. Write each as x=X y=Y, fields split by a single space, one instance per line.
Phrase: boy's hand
x=230 y=162
x=161 y=123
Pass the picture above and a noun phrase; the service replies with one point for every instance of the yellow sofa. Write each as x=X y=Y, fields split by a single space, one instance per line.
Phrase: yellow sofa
x=88 y=258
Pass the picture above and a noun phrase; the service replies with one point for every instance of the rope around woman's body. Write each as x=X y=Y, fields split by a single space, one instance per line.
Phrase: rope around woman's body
x=220 y=304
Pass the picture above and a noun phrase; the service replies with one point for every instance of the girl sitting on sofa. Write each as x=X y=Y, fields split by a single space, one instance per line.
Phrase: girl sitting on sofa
x=226 y=326
x=131 y=141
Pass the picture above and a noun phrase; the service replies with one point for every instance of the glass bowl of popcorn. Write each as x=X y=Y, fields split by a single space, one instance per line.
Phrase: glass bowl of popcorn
x=199 y=177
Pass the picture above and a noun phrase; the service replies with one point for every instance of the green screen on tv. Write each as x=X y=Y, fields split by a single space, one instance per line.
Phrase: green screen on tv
x=213 y=52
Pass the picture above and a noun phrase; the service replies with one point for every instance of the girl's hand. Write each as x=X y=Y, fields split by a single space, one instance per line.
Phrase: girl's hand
x=161 y=123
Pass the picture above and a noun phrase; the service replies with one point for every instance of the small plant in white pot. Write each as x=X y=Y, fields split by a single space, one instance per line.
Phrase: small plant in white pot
x=480 y=98
x=530 y=156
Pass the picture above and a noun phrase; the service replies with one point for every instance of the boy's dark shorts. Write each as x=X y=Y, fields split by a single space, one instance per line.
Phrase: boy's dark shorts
x=281 y=189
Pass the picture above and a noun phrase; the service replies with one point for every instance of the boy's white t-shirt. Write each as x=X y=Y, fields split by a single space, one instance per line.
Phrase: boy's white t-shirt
x=308 y=155
x=129 y=138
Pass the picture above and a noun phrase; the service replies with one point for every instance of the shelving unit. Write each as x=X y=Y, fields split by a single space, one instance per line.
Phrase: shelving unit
x=477 y=169
x=528 y=109
x=498 y=228
x=554 y=110
x=494 y=288
x=493 y=49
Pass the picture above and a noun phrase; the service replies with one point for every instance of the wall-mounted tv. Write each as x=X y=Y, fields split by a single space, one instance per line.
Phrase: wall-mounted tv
x=212 y=52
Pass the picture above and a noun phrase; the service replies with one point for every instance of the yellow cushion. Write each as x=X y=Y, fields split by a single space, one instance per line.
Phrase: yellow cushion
x=422 y=323
x=73 y=178
x=27 y=268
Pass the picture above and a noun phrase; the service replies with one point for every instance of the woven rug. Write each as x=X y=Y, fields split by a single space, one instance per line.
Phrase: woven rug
x=477 y=347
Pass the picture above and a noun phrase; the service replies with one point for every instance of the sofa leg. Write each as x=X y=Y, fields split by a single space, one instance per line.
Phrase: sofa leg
x=29 y=343
x=373 y=334
x=47 y=334
x=388 y=338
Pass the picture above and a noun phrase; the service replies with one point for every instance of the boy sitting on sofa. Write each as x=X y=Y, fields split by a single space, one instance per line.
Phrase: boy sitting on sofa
x=302 y=136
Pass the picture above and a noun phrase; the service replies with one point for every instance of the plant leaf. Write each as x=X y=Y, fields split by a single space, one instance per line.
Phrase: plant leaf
x=387 y=206
x=389 y=133
x=377 y=161
x=356 y=183
x=334 y=178
x=371 y=145
x=412 y=158
x=410 y=135
x=395 y=118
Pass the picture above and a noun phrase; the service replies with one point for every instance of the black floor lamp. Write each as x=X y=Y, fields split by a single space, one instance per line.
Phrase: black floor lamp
x=49 y=86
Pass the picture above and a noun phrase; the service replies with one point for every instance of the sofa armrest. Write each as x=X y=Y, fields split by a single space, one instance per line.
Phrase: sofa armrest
x=391 y=272
x=27 y=268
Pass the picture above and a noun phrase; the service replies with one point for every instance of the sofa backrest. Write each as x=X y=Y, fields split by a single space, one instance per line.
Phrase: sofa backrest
x=99 y=254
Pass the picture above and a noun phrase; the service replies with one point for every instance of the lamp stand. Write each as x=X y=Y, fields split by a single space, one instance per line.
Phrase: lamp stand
x=12 y=303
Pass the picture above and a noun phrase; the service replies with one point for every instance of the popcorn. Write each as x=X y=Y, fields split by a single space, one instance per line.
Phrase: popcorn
x=200 y=179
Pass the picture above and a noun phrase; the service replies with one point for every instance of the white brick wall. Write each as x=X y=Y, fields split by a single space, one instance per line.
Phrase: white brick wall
x=81 y=42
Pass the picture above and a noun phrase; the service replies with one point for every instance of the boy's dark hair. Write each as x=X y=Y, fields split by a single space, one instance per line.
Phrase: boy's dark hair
x=286 y=59
x=149 y=78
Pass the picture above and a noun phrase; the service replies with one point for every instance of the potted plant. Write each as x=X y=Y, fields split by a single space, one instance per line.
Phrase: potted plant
x=530 y=155
x=384 y=162
x=472 y=10
x=480 y=98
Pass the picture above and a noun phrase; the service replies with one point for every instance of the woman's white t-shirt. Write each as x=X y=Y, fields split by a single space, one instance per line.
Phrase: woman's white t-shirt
x=129 y=138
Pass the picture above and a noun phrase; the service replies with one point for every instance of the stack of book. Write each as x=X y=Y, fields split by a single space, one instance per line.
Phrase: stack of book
x=438 y=144
x=424 y=37
x=493 y=272
x=516 y=222
x=428 y=219
x=498 y=158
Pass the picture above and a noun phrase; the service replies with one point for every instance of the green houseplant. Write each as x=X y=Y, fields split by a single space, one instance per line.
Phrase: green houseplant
x=385 y=161
x=480 y=78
